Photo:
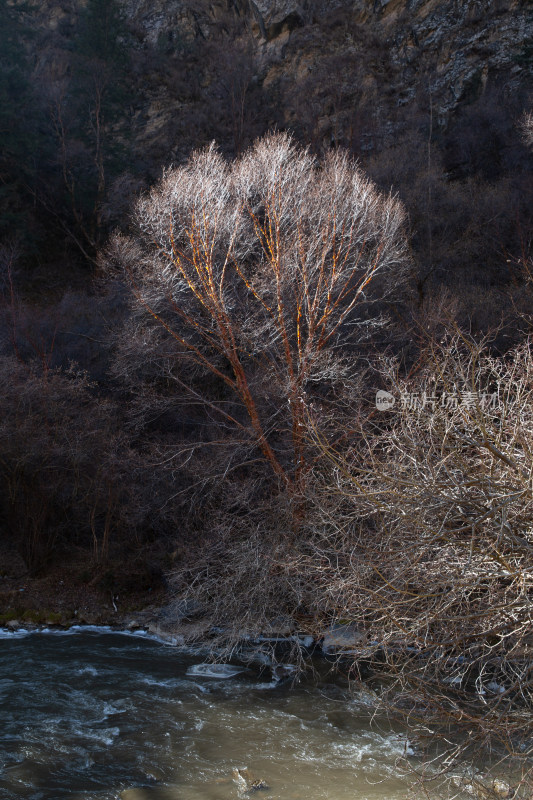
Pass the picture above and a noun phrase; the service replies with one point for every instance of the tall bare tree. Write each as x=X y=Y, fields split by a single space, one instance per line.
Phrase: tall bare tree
x=260 y=273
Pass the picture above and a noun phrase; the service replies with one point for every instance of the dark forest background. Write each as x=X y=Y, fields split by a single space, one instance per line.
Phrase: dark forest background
x=84 y=449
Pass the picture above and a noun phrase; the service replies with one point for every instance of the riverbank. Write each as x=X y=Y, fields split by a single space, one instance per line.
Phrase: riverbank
x=122 y=596
x=75 y=592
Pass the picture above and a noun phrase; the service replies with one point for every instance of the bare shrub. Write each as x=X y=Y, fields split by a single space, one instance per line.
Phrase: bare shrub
x=423 y=537
x=527 y=128
x=237 y=572
x=68 y=475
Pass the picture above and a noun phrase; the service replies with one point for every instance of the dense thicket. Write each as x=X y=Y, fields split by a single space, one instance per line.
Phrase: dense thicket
x=63 y=131
x=19 y=141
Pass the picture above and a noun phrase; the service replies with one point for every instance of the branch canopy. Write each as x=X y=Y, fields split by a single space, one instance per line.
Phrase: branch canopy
x=263 y=271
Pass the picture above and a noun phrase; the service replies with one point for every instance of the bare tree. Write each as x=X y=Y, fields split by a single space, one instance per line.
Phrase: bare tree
x=527 y=128
x=259 y=274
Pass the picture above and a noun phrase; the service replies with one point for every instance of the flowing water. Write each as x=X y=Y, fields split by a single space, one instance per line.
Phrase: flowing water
x=94 y=715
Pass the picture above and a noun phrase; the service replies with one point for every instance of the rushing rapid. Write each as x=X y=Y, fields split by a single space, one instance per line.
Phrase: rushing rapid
x=94 y=715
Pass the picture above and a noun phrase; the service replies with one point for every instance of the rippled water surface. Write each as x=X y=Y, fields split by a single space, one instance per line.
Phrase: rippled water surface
x=103 y=715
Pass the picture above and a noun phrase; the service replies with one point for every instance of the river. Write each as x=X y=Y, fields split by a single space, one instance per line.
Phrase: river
x=95 y=714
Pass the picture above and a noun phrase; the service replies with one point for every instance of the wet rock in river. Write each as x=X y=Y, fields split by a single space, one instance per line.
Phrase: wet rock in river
x=247 y=783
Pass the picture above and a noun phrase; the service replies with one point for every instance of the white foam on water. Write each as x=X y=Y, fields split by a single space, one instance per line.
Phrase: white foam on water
x=163 y=683
x=265 y=686
x=87 y=671
x=202 y=689
x=104 y=736
x=139 y=633
x=74 y=629
x=5 y=633
x=110 y=709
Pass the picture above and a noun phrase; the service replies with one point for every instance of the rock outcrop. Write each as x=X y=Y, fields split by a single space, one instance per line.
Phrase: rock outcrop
x=354 y=65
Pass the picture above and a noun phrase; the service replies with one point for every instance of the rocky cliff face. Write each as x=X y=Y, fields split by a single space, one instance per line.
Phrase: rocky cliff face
x=340 y=59
x=336 y=71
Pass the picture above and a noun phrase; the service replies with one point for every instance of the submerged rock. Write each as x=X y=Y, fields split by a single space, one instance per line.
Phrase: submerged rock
x=343 y=637
x=281 y=672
